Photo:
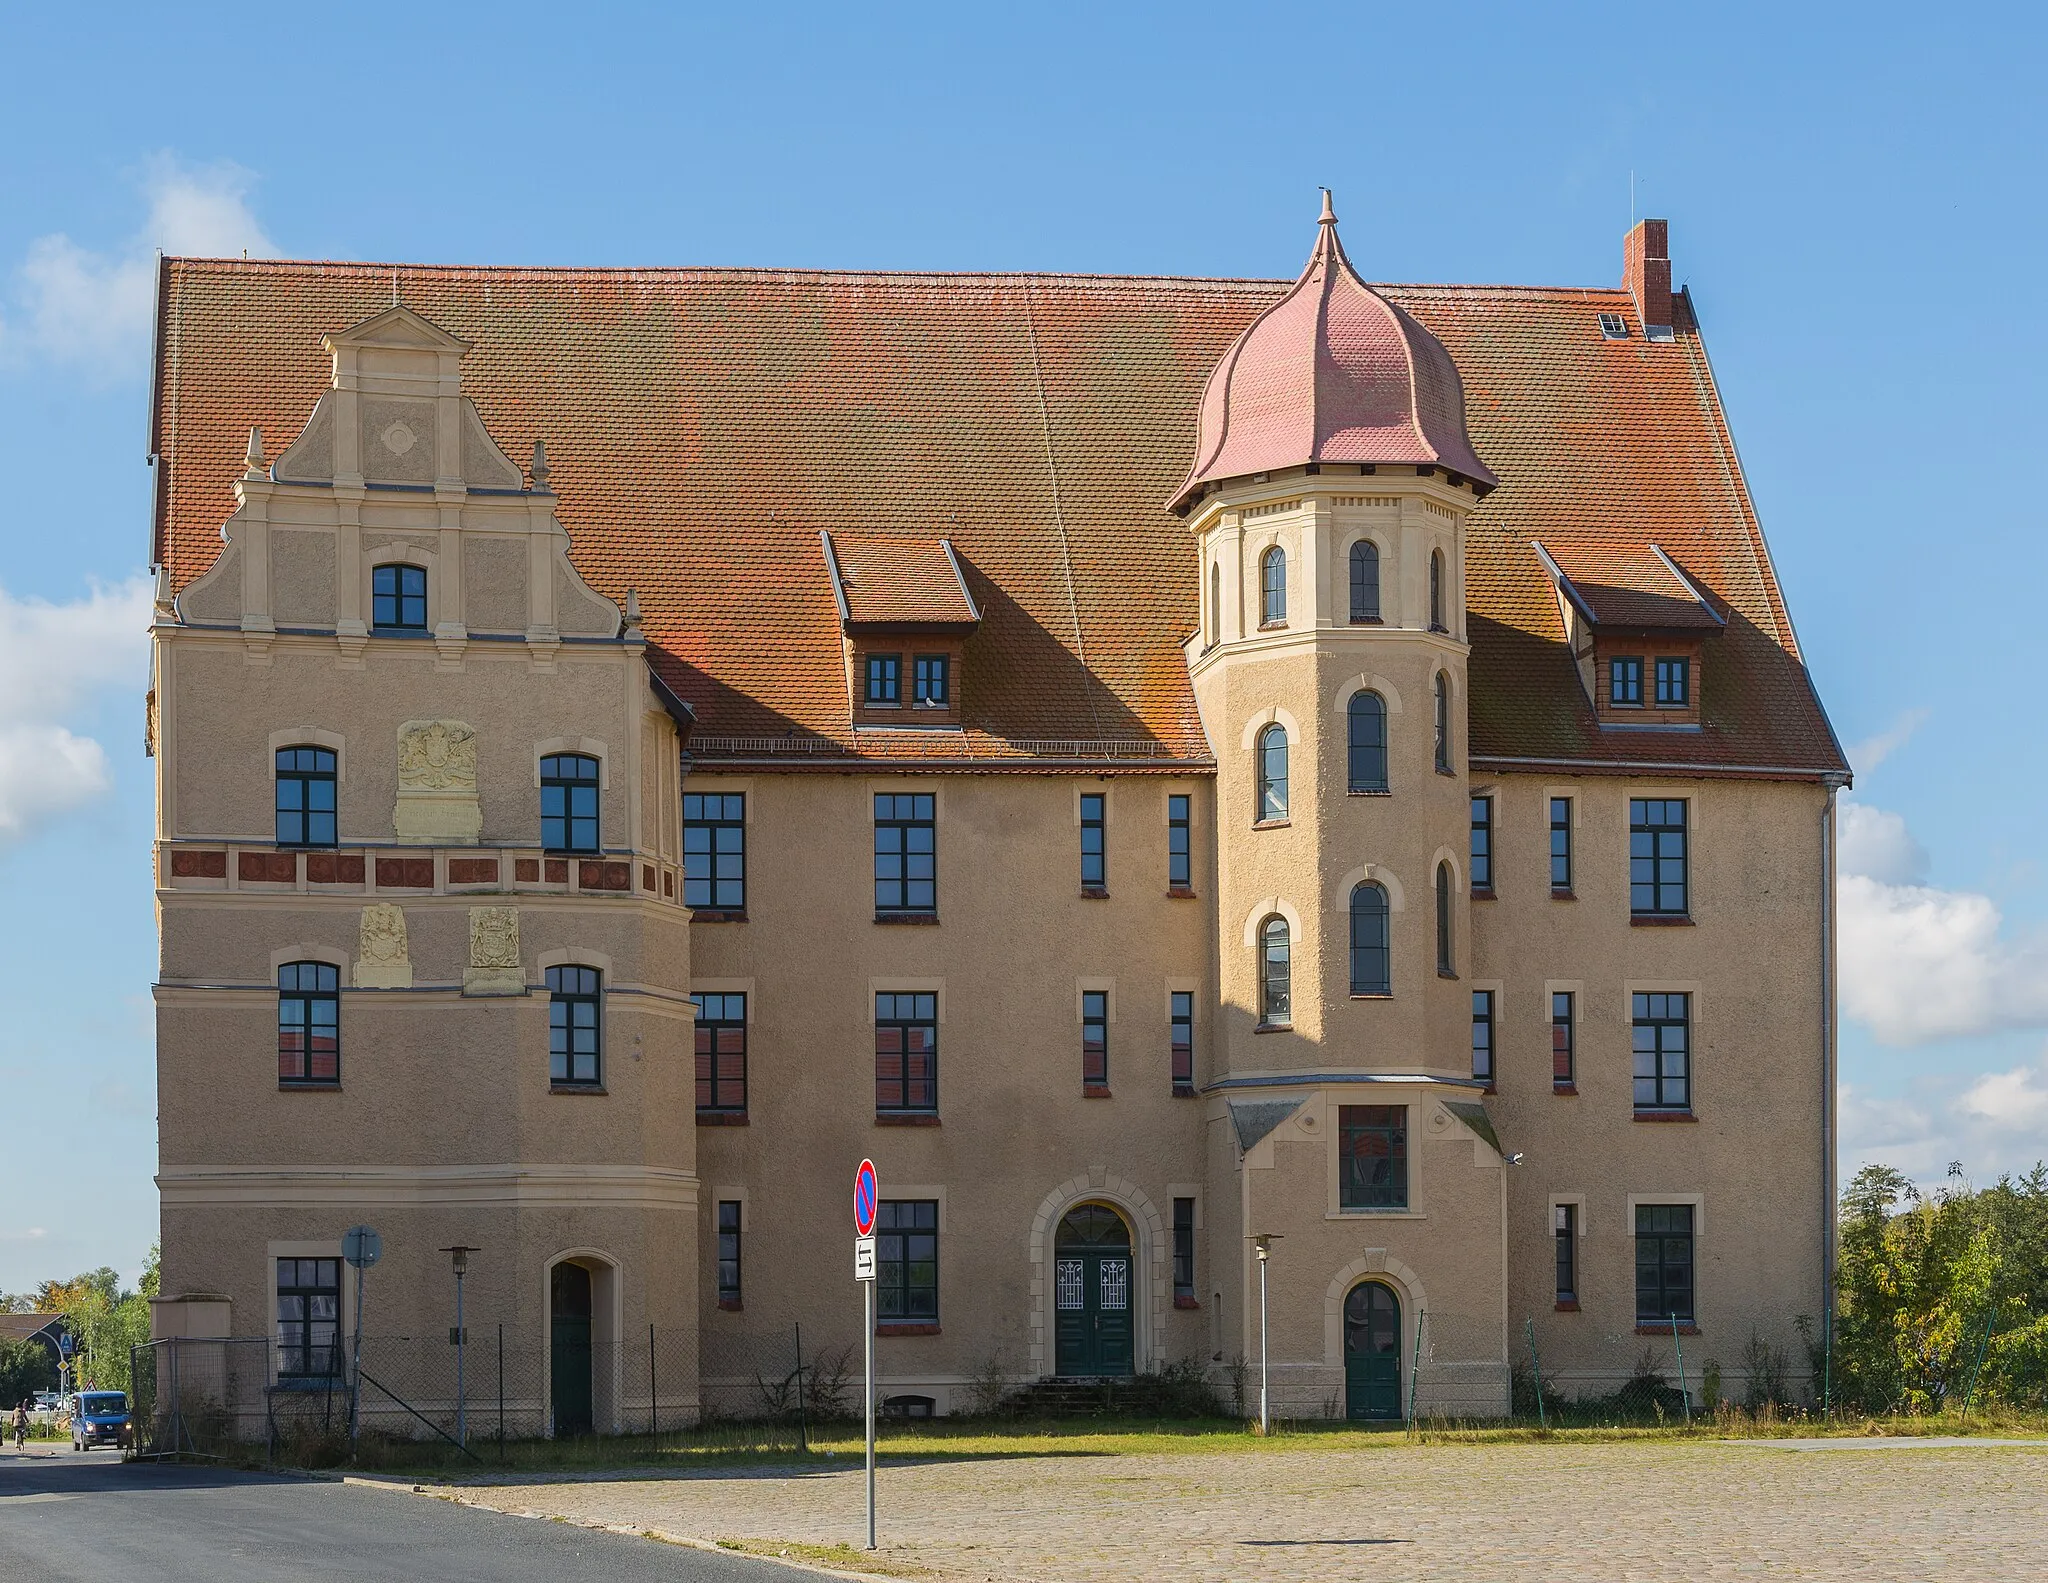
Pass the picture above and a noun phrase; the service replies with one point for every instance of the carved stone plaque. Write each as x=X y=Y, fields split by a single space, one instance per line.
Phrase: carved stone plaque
x=437 y=801
x=381 y=959
x=494 y=967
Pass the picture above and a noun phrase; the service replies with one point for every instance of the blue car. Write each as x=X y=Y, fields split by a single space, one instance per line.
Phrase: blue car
x=99 y=1418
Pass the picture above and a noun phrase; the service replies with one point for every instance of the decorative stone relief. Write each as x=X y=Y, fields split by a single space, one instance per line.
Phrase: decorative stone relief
x=381 y=959
x=494 y=967
x=398 y=440
x=437 y=801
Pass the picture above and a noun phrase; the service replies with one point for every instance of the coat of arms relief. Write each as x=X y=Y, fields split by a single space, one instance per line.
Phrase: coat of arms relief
x=381 y=959
x=494 y=967
x=437 y=797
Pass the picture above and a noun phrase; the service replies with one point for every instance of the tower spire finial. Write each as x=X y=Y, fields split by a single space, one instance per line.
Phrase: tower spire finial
x=1329 y=210
x=1328 y=250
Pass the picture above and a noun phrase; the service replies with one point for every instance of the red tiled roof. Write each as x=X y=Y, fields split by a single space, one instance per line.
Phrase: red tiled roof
x=1621 y=585
x=705 y=425
x=895 y=580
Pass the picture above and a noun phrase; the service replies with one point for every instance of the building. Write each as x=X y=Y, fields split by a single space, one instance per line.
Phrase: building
x=1155 y=763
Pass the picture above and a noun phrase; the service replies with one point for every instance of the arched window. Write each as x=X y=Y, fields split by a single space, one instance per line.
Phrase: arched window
x=1273 y=587
x=1436 y=590
x=1444 y=960
x=1215 y=602
x=1276 y=973
x=1367 y=726
x=1443 y=724
x=1372 y=966
x=398 y=598
x=568 y=802
x=308 y=1023
x=1365 y=581
x=305 y=796
x=1272 y=768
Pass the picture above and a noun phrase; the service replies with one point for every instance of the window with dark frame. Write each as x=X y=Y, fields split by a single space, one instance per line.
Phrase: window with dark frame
x=1272 y=772
x=1372 y=1157
x=1436 y=591
x=907 y=1052
x=1273 y=587
x=1180 y=858
x=1365 y=720
x=907 y=1260
x=1443 y=724
x=568 y=802
x=729 y=1233
x=1482 y=1035
x=1664 y=1264
x=1372 y=964
x=715 y=851
x=1094 y=857
x=1564 y=1037
x=932 y=680
x=574 y=1027
x=1446 y=956
x=1482 y=845
x=1560 y=845
x=1657 y=857
x=1674 y=681
x=1182 y=1040
x=1662 y=1028
x=308 y=1319
x=305 y=796
x=885 y=680
x=1276 y=974
x=308 y=1023
x=1567 y=1232
x=1095 y=1038
x=906 y=853
x=1183 y=1250
x=1625 y=681
x=398 y=598
x=721 y=1053
x=1365 y=581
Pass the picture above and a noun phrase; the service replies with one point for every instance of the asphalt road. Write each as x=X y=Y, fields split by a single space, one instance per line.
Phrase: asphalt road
x=72 y=1518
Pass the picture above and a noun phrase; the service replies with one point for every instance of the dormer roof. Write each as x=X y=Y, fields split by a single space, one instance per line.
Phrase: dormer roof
x=893 y=580
x=1623 y=587
x=1331 y=373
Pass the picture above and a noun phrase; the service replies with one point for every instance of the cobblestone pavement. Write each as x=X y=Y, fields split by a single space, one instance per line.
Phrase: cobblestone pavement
x=1659 y=1511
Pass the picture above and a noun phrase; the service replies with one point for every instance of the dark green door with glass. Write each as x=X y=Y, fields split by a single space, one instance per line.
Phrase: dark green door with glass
x=569 y=1348
x=1372 y=1352
x=1092 y=1278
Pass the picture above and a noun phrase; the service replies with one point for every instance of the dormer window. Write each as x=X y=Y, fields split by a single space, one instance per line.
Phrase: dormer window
x=1625 y=681
x=885 y=681
x=398 y=598
x=1613 y=327
x=905 y=616
x=1674 y=681
x=934 y=681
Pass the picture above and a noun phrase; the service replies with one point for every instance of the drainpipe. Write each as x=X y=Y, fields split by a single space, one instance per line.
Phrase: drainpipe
x=1834 y=784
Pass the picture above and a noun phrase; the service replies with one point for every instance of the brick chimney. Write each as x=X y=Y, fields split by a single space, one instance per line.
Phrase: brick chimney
x=1646 y=271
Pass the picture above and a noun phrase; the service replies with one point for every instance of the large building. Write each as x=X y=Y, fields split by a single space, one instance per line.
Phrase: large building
x=1178 y=771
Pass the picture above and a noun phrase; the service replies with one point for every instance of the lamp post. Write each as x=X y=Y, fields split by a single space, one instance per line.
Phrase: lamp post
x=460 y=1337
x=1264 y=1243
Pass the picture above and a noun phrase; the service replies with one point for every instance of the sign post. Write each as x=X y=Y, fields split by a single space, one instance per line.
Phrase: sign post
x=866 y=1196
x=361 y=1247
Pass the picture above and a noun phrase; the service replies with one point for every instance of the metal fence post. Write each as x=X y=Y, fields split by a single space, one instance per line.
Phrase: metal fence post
x=1415 y=1367
x=1684 y=1395
x=803 y=1430
x=1983 y=1345
x=653 y=1399
x=1542 y=1419
x=501 y=1391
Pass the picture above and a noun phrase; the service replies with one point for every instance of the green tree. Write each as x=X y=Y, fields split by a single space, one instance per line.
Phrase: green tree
x=25 y=1368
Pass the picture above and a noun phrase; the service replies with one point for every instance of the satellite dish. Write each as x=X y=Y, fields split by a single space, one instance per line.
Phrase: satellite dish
x=361 y=1246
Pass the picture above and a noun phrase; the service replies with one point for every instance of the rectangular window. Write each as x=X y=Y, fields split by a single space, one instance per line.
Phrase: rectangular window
x=1372 y=1157
x=721 y=1053
x=308 y=1318
x=933 y=680
x=1625 y=682
x=715 y=851
x=907 y=1052
x=885 y=680
x=1180 y=862
x=1656 y=856
x=573 y=1026
x=1482 y=846
x=1482 y=1035
x=1094 y=859
x=1663 y=1057
x=1183 y=1036
x=1564 y=1035
x=906 y=853
x=308 y=1023
x=728 y=1253
x=1674 y=681
x=1560 y=846
x=1184 y=1250
x=907 y=1252
x=569 y=785
x=305 y=796
x=1568 y=1253
x=1095 y=1038
x=1663 y=1264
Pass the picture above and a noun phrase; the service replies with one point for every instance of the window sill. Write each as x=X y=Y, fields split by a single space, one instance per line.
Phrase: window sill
x=1683 y=1329
x=907 y=917
x=1368 y=621
x=1183 y=1300
x=1096 y=1091
x=1274 y=1027
x=1563 y=1088
x=731 y=1305
x=1095 y=893
x=1376 y=1214
x=1183 y=1090
x=1565 y=894
x=1377 y=994
x=1447 y=773
x=286 y=1085
x=906 y=1118
x=1483 y=894
x=1665 y=1115
x=1658 y=920
x=1490 y=1088
x=1370 y=791
x=721 y=1118
x=1272 y=626
x=718 y=915
x=1181 y=893
x=1444 y=972
x=1271 y=824
x=1566 y=1305
x=576 y=1088
x=906 y=1330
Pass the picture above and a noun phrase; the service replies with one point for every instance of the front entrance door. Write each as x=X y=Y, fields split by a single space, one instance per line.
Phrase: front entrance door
x=1372 y=1352
x=569 y=1348
x=1092 y=1280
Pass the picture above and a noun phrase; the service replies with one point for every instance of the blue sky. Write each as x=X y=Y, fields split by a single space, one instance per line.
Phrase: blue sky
x=1855 y=197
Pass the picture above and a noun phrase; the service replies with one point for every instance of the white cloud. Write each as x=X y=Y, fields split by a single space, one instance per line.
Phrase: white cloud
x=1990 y=1123
x=1921 y=963
x=2012 y=1101
x=1877 y=845
x=92 y=309
x=1873 y=751
x=53 y=659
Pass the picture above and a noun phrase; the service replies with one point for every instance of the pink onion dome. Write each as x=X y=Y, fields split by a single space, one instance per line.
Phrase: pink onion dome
x=1331 y=373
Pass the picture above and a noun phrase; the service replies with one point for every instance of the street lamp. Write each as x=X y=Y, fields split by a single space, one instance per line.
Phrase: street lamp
x=460 y=1337
x=1264 y=1243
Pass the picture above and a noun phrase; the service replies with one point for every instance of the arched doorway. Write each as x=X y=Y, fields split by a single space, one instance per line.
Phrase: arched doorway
x=569 y=1322
x=1092 y=1294
x=1372 y=1351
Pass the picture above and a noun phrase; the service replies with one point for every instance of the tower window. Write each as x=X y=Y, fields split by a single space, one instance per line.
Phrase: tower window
x=1272 y=772
x=1372 y=1157
x=1273 y=588
x=568 y=802
x=308 y=1023
x=398 y=598
x=1445 y=963
x=573 y=1027
x=1436 y=591
x=1366 y=728
x=1276 y=974
x=1443 y=724
x=1365 y=581
x=1371 y=953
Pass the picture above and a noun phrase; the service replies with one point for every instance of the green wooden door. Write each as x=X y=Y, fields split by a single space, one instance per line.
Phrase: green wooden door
x=1372 y=1352
x=1093 y=1277
x=569 y=1348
